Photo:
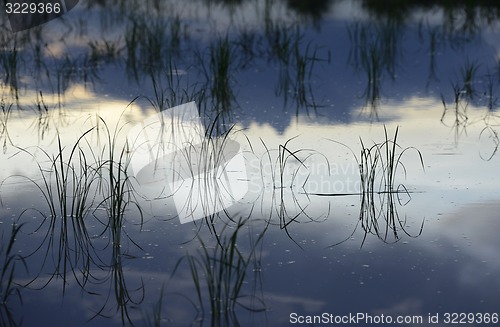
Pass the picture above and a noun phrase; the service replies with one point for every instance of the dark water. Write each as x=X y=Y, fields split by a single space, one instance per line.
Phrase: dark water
x=337 y=164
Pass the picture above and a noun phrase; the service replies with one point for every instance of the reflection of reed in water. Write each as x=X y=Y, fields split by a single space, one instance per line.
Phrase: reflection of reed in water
x=221 y=273
x=381 y=194
x=455 y=117
x=468 y=73
x=491 y=118
x=296 y=65
x=218 y=66
x=87 y=192
x=379 y=168
x=10 y=57
x=151 y=45
x=491 y=134
x=120 y=298
x=379 y=205
x=5 y=113
x=86 y=185
x=10 y=292
x=289 y=171
x=465 y=92
x=375 y=51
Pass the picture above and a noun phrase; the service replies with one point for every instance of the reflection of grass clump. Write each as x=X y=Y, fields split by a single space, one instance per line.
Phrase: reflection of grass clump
x=296 y=65
x=8 y=288
x=221 y=58
x=379 y=166
x=468 y=72
x=4 y=118
x=383 y=159
x=219 y=275
x=78 y=184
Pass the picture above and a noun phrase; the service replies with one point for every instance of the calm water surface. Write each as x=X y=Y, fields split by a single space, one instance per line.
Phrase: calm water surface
x=306 y=96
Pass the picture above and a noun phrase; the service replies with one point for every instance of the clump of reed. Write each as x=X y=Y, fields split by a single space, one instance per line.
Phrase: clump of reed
x=456 y=117
x=84 y=186
x=117 y=192
x=468 y=73
x=464 y=91
x=67 y=185
x=289 y=175
x=379 y=167
x=386 y=158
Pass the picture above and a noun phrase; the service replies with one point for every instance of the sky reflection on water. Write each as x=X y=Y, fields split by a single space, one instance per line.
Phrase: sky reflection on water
x=295 y=82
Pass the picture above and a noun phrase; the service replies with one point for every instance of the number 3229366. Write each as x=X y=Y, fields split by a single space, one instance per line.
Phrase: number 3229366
x=32 y=8
x=471 y=318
